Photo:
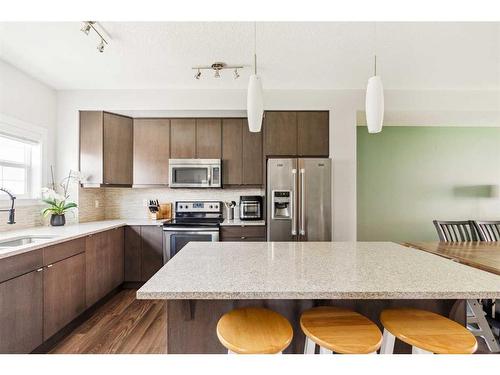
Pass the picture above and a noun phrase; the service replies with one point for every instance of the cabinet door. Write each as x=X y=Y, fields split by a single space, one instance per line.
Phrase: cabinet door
x=313 y=133
x=280 y=133
x=252 y=156
x=151 y=151
x=91 y=146
x=182 y=138
x=132 y=269
x=96 y=268
x=118 y=148
x=208 y=138
x=115 y=253
x=64 y=293
x=21 y=312
x=152 y=250
x=232 y=163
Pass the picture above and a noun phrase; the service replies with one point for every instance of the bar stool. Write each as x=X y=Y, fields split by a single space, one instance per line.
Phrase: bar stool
x=254 y=330
x=339 y=330
x=426 y=332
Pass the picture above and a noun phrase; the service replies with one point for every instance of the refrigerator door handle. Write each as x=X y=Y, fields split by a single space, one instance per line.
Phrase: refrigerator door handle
x=293 y=202
x=302 y=230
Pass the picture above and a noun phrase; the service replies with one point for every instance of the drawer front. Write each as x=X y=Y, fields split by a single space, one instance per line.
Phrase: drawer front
x=20 y=264
x=63 y=250
x=243 y=233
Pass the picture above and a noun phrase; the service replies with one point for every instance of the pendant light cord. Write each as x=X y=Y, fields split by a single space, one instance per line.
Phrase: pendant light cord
x=375 y=48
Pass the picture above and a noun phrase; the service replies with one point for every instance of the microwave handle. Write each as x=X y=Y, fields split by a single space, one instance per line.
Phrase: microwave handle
x=209 y=176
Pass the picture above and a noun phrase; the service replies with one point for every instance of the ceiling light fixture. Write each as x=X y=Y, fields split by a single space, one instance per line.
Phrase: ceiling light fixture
x=236 y=74
x=374 y=105
x=92 y=25
x=255 y=96
x=217 y=67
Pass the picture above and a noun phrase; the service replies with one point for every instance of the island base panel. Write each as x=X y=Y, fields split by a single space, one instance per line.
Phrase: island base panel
x=191 y=327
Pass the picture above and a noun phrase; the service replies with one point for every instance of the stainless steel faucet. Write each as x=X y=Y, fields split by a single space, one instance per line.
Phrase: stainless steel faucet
x=11 y=210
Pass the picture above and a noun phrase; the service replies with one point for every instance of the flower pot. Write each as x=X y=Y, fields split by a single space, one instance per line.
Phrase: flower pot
x=57 y=220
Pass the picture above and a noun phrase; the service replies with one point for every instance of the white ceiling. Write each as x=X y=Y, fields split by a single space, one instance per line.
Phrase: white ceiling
x=149 y=55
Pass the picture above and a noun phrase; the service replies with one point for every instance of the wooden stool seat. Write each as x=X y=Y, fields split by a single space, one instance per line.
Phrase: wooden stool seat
x=254 y=330
x=341 y=330
x=428 y=331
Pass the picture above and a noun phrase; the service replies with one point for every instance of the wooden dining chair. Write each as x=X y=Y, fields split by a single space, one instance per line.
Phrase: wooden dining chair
x=487 y=230
x=455 y=231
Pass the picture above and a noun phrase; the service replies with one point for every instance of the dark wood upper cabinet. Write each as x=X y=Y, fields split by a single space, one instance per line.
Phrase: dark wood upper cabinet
x=313 y=133
x=64 y=293
x=21 y=313
x=252 y=157
x=118 y=147
x=151 y=151
x=208 y=138
x=280 y=133
x=183 y=138
x=106 y=145
x=232 y=162
x=152 y=250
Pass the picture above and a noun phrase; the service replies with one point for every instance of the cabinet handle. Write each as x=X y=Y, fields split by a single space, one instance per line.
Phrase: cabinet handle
x=243 y=237
x=39 y=270
x=50 y=265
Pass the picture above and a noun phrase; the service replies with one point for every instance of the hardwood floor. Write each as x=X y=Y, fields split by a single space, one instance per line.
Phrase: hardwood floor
x=124 y=325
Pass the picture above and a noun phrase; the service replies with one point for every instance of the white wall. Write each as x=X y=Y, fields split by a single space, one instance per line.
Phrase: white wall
x=344 y=106
x=29 y=104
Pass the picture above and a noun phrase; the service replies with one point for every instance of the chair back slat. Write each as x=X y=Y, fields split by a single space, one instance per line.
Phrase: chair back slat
x=456 y=231
x=488 y=230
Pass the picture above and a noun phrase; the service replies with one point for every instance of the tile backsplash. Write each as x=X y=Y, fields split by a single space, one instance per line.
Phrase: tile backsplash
x=26 y=217
x=117 y=203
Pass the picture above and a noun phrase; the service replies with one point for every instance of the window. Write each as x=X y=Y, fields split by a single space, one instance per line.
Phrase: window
x=19 y=161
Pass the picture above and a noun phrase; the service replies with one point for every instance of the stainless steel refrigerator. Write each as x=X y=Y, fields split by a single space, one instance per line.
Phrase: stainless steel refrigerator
x=299 y=199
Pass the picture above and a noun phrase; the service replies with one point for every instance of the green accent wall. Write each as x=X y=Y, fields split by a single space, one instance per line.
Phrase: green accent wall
x=408 y=176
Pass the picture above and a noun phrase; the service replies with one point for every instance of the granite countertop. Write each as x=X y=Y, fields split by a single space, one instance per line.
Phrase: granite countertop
x=315 y=270
x=55 y=235
x=242 y=223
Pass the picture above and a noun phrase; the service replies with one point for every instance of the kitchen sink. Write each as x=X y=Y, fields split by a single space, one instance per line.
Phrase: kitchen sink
x=25 y=240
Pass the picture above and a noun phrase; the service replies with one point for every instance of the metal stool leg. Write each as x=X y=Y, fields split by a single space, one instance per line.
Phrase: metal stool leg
x=475 y=316
x=415 y=350
x=309 y=346
x=388 y=341
x=324 y=350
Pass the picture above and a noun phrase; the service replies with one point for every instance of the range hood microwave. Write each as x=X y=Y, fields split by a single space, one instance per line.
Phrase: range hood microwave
x=194 y=173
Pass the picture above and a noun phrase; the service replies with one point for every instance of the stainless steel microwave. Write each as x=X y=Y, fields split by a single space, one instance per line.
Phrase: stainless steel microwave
x=194 y=173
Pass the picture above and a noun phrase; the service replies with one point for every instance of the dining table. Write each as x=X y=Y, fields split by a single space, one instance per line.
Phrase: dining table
x=478 y=254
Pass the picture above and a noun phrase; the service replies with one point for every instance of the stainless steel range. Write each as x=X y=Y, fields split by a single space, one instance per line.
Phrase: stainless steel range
x=194 y=221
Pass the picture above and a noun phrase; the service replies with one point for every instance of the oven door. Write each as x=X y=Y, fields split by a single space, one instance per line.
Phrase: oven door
x=176 y=239
x=185 y=176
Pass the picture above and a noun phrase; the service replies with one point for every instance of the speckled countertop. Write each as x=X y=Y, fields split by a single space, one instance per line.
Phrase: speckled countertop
x=55 y=235
x=315 y=270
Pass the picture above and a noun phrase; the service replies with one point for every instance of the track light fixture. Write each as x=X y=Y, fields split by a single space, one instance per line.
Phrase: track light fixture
x=87 y=26
x=217 y=67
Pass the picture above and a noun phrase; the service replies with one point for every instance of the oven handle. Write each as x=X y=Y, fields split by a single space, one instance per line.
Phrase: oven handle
x=190 y=231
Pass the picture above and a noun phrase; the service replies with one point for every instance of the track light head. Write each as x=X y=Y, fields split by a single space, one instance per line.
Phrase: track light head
x=217 y=73
x=198 y=74
x=85 y=28
x=100 y=47
x=236 y=74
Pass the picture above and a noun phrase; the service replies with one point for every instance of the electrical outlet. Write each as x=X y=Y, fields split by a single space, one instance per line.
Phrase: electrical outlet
x=96 y=203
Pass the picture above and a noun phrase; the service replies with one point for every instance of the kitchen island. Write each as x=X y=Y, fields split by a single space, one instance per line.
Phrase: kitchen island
x=205 y=280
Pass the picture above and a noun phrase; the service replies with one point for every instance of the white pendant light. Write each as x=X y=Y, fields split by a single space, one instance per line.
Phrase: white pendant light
x=374 y=101
x=255 y=96
x=374 y=106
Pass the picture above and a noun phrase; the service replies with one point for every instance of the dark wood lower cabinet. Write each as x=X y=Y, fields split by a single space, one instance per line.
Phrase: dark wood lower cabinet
x=255 y=233
x=133 y=246
x=104 y=263
x=64 y=293
x=21 y=313
x=152 y=251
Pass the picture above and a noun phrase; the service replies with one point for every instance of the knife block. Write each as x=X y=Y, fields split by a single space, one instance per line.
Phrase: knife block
x=164 y=212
